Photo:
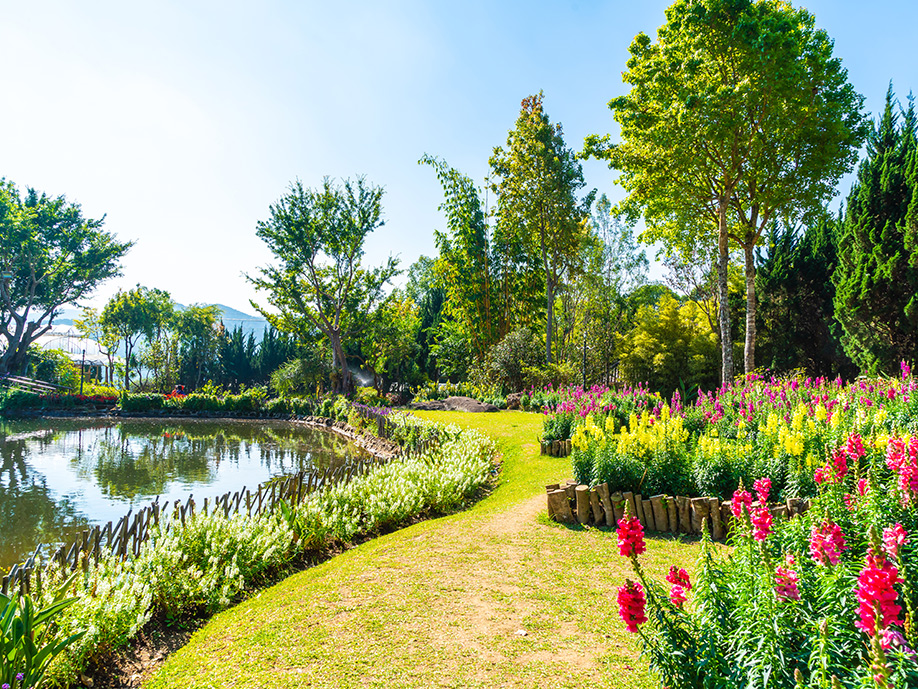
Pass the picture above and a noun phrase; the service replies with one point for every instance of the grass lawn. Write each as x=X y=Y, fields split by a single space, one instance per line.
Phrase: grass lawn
x=496 y=596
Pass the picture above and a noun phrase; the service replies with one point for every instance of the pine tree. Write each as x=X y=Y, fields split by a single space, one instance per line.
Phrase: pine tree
x=876 y=280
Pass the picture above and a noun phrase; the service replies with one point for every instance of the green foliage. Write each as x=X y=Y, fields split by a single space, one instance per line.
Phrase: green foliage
x=211 y=561
x=671 y=347
x=462 y=269
x=540 y=220
x=389 y=344
x=137 y=402
x=304 y=374
x=876 y=280
x=796 y=316
x=55 y=367
x=29 y=641
x=557 y=427
x=135 y=314
x=507 y=361
x=55 y=256
x=319 y=284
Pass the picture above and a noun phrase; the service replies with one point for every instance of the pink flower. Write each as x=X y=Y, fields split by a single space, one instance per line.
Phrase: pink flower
x=840 y=461
x=741 y=498
x=826 y=543
x=631 y=604
x=854 y=446
x=895 y=454
x=786 y=581
x=677 y=595
x=761 y=522
x=876 y=595
x=893 y=538
x=862 y=487
x=630 y=537
x=679 y=577
x=762 y=488
x=892 y=640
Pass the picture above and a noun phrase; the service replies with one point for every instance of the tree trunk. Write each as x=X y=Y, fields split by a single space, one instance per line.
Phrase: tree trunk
x=334 y=338
x=749 y=351
x=723 y=260
x=550 y=318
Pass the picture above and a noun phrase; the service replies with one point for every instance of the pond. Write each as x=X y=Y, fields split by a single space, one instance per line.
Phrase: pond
x=58 y=477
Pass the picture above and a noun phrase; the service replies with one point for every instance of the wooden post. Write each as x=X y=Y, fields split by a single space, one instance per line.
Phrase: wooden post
x=583 y=504
x=630 y=503
x=618 y=505
x=683 y=507
x=603 y=490
x=699 y=514
x=560 y=507
x=672 y=513
x=660 y=516
x=726 y=517
x=650 y=522
x=598 y=514
x=794 y=506
x=717 y=526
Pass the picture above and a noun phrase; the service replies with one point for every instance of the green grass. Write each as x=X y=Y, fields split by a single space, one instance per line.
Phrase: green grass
x=494 y=596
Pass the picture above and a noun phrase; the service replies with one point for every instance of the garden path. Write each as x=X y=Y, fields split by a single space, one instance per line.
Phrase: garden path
x=496 y=596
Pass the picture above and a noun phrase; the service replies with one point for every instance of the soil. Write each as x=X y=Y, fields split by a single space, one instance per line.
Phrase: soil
x=131 y=667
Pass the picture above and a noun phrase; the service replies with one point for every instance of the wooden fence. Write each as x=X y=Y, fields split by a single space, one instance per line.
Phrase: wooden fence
x=124 y=539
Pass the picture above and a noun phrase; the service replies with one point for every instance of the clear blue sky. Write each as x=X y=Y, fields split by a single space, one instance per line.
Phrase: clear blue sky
x=182 y=121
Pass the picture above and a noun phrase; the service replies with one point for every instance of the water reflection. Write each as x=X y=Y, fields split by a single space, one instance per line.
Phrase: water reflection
x=54 y=481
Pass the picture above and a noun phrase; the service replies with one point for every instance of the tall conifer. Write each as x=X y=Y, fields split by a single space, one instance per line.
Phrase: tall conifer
x=876 y=280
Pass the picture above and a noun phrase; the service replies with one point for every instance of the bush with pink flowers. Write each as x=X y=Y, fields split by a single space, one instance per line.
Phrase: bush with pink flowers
x=825 y=600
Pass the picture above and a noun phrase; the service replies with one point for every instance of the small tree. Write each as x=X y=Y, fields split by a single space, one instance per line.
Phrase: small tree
x=132 y=315
x=318 y=283
x=50 y=255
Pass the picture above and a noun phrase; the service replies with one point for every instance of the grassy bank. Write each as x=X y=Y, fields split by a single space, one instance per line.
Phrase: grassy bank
x=494 y=596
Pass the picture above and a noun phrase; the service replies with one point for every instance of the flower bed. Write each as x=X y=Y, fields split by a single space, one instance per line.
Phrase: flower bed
x=826 y=599
x=783 y=429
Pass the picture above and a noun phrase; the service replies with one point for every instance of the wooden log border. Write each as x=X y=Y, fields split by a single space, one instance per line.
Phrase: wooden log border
x=569 y=503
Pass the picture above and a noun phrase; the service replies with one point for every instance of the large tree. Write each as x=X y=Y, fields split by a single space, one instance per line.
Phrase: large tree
x=537 y=179
x=136 y=314
x=737 y=114
x=876 y=297
x=50 y=255
x=318 y=283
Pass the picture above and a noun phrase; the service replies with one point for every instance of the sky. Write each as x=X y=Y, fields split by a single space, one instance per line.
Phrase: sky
x=182 y=122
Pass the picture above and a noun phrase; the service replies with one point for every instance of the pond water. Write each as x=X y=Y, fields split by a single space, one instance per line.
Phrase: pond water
x=58 y=477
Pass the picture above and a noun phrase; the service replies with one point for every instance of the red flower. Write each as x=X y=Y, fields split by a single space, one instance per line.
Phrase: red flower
x=826 y=543
x=631 y=604
x=630 y=537
x=854 y=446
x=761 y=522
x=679 y=577
x=876 y=595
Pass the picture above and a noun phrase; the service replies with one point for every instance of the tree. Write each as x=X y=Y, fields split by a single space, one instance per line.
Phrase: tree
x=90 y=325
x=537 y=179
x=797 y=326
x=389 y=344
x=876 y=281
x=423 y=289
x=737 y=114
x=463 y=268
x=50 y=255
x=199 y=330
x=132 y=315
x=317 y=237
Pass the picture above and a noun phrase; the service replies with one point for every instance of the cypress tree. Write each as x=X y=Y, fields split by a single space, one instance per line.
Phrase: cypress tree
x=876 y=278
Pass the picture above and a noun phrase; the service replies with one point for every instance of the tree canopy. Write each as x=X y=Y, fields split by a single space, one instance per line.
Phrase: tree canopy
x=50 y=255
x=318 y=282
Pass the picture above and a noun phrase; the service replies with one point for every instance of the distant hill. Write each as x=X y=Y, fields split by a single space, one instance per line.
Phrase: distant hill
x=232 y=319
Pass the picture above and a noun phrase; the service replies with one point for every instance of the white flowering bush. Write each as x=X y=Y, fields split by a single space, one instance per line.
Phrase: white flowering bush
x=211 y=561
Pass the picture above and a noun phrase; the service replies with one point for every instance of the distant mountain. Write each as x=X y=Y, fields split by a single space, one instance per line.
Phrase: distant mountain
x=232 y=319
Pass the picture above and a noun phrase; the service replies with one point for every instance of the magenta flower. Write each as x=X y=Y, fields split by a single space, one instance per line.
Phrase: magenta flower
x=761 y=523
x=679 y=577
x=786 y=581
x=630 y=537
x=893 y=538
x=876 y=595
x=741 y=498
x=827 y=543
x=762 y=488
x=631 y=604
x=677 y=595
